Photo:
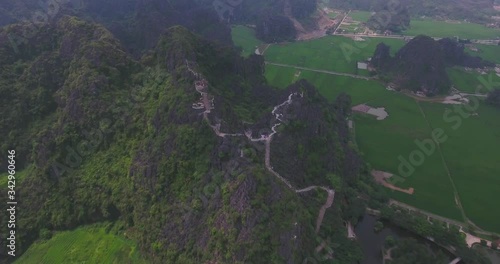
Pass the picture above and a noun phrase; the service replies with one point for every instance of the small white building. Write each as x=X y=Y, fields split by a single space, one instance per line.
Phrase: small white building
x=362 y=65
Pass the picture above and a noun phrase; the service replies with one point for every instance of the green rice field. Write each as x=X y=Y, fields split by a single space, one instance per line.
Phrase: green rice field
x=487 y=52
x=471 y=154
x=469 y=81
x=361 y=16
x=387 y=142
x=84 y=245
x=332 y=53
x=447 y=29
x=244 y=37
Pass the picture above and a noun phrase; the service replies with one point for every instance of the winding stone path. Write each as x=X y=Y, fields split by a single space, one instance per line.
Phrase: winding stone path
x=208 y=105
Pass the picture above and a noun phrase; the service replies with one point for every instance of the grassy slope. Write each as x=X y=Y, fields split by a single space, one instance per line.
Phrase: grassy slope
x=334 y=53
x=84 y=245
x=244 y=37
x=444 y=29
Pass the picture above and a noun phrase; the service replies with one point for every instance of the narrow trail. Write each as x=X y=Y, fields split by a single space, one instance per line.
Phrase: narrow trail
x=201 y=86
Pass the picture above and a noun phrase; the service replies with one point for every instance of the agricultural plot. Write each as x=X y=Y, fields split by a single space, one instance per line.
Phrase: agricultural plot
x=83 y=245
x=471 y=153
x=487 y=52
x=386 y=143
x=469 y=81
x=330 y=86
x=361 y=16
x=332 y=53
x=448 y=29
x=281 y=77
x=244 y=37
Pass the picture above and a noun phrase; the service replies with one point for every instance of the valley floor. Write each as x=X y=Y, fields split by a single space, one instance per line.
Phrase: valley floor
x=456 y=179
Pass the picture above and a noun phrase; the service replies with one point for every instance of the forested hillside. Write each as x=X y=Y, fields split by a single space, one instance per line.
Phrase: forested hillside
x=102 y=136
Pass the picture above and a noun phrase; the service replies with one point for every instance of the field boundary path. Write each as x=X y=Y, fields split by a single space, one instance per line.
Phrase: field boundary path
x=201 y=86
x=448 y=173
x=320 y=71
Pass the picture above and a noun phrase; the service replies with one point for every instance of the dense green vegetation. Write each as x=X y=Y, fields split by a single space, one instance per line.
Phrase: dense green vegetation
x=420 y=66
x=115 y=139
x=442 y=235
x=115 y=165
x=409 y=251
x=91 y=244
x=150 y=152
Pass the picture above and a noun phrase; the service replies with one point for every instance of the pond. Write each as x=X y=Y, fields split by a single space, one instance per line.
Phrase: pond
x=371 y=242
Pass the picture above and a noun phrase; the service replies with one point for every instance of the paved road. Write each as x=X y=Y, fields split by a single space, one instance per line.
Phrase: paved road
x=320 y=71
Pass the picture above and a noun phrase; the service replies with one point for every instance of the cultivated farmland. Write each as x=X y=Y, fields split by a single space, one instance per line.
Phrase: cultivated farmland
x=83 y=245
x=487 y=52
x=361 y=16
x=469 y=81
x=332 y=53
x=457 y=179
x=244 y=37
x=447 y=29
